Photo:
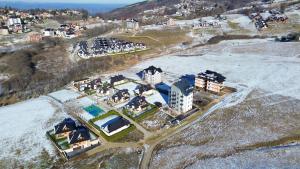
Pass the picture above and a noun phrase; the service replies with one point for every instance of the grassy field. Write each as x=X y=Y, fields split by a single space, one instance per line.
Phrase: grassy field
x=146 y=114
x=156 y=40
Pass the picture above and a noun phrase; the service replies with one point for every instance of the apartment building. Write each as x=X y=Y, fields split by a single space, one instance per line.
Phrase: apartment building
x=152 y=75
x=181 y=96
x=210 y=81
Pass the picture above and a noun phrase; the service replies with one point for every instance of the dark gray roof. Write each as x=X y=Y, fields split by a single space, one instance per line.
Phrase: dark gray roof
x=121 y=93
x=116 y=78
x=79 y=135
x=118 y=123
x=153 y=70
x=212 y=76
x=143 y=88
x=66 y=125
x=138 y=101
x=184 y=86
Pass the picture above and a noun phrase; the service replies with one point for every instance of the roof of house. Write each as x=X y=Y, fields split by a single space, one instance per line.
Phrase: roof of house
x=153 y=70
x=121 y=93
x=184 y=86
x=117 y=123
x=66 y=125
x=143 y=88
x=137 y=101
x=79 y=135
x=212 y=76
x=116 y=78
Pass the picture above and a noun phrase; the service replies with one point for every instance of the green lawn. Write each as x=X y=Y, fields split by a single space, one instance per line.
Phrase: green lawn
x=154 y=109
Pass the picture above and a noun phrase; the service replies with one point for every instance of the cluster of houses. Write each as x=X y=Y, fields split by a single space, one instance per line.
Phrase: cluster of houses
x=15 y=22
x=261 y=19
x=106 y=46
x=73 y=137
x=67 y=31
x=180 y=93
x=180 y=101
x=206 y=24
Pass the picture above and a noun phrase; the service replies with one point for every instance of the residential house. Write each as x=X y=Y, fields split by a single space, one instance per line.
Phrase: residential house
x=104 y=91
x=114 y=124
x=210 y=80
x=94 y=84
x=181 y=96
x=34 y=37
x=137 y=104
x=64 y=128
x=171 y=22
x=80 y=139
x=116 y=80
x=121 y=96
x=81 y=84
x=4 y=30
x=143 y=90
x=49 y=32
x=152 y=75
x=132 y=24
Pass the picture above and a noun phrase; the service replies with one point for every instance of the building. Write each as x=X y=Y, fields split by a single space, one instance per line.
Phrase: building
x=152 y=75
x=118 y=79
x=81 y=84
x=4 y=30
x=80 y=139
x=137 y=104
x=64 y=128
x=113 y=124
x=13 y=21
x=171 y=22
x=35 y=37
x=210 y=81
x=132 y=24
x=121 y=96
x=181 y=96
x=143 y=90
x=49 y=32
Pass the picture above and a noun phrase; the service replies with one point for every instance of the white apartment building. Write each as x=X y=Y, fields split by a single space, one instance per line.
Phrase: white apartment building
x=181 y=96
x=152 y=75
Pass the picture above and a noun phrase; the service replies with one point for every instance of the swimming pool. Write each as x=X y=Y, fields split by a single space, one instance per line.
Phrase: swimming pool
x=94 y=110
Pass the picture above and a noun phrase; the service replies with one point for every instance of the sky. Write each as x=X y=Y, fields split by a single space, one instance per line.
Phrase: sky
x=81 y=1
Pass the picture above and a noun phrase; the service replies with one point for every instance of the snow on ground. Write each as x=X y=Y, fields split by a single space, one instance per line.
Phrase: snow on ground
x=256 y=63
x=84 y=102
x=24 y=125
x=287 y=157
x=157 y=97
x=64 y=95
x=130 y=86
x=243 y=21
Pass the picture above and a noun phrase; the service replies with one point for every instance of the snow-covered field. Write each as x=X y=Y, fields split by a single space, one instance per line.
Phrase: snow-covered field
x=64 y=95
x=130 y=86
x=24 y=125
x=264 y=64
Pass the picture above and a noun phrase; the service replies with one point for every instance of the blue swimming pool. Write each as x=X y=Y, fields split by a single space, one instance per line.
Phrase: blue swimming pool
x=94 y=110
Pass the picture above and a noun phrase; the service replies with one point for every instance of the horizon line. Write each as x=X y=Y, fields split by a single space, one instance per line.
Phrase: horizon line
x=16 y=1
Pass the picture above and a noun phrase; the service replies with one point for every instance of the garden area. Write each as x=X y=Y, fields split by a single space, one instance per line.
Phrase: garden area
x=138 y=117
x=116 y=137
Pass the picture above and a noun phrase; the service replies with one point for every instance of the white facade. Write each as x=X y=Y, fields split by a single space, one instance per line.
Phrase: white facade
x=13 y=21
x=152 y=75
x=152 y=78
x=180 y=101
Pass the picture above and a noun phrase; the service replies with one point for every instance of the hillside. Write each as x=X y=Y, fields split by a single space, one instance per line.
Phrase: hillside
x=133 y=10
x=191 y=8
